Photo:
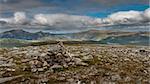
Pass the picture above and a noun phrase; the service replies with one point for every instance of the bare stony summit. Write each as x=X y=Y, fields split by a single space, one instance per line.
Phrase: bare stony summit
x=80 y=64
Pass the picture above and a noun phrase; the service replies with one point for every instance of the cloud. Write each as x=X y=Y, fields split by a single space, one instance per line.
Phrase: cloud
x=77 y=21
x=18 y=18
x=18 y=5
x=147 y=13
x=62 y=20
x=57 y=21
x=67 y=6
x=128 y=17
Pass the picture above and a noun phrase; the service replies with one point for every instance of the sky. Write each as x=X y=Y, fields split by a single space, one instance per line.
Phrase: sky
x=76 y=13
x=94 y=8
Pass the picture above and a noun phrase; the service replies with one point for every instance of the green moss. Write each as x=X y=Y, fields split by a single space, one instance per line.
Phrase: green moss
x=93 y=61
x=58 y=69
x=55 y=81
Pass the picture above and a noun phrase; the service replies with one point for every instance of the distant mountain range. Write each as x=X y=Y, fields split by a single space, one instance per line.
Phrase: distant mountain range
x=21 y=34
x=93 y=35
x=21 y=37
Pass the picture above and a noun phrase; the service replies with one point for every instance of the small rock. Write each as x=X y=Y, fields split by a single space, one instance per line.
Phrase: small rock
x=10 y=69
x=126 y=59
x=88 y=57
x=78 y=61
x=127 y=79
x=45 y=63
x=115 y=77
x=56 y=66
x=3 y=80
x=40 y=69
x=43 y=54
x=3 y=62
x=3 y=58
x=70 y=80
x=59 y=54
x=25 y=60
x=61 y=78
x=34 y=70
x=7 y=65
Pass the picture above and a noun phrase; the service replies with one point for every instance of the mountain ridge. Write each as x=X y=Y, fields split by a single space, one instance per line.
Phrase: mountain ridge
x=94 y=35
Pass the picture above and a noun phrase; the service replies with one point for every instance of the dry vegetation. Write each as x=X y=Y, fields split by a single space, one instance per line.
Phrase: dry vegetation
x=75 y=64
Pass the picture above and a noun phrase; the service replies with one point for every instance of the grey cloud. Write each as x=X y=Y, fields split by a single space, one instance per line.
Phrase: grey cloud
x=19 y=5
x=68 y=5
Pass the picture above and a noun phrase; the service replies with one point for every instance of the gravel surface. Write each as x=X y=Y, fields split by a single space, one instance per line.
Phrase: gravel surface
x=75 y=64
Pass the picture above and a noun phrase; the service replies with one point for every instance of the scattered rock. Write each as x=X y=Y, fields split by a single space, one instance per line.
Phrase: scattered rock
x=75 y=64
x=7 y=65
x=10 y=69
x=40 y=69
x=115 y=77
x=3 y=80
x=57 y=66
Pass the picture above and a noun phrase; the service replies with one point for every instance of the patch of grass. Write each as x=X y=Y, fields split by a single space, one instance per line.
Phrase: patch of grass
x=93 y=61
x=58 y=69
x=75 y=68
x=55 y=81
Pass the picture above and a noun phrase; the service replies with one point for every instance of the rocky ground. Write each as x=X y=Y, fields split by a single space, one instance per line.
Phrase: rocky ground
x=75 y=64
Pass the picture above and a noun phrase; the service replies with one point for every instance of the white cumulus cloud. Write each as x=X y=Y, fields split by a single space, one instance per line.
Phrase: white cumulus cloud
x=129 y=17
x=18 y=18
x=62 y=20
x=147 y=13
x=78 y=21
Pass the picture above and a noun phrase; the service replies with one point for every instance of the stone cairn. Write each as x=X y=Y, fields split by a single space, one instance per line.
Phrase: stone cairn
x=57 y=57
